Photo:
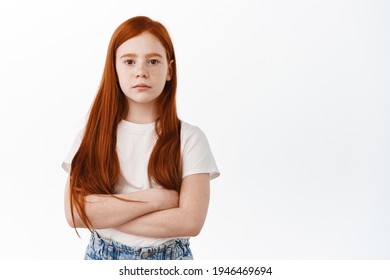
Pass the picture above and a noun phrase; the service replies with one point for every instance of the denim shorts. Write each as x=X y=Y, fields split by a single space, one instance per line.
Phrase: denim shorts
x=106 y=249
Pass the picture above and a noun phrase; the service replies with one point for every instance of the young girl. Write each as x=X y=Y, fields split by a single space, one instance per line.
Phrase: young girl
x=139 y=178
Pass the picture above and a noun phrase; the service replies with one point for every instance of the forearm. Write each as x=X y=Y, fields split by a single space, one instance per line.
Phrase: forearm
x=105 y=211
x=164 y=224
x=185 y=220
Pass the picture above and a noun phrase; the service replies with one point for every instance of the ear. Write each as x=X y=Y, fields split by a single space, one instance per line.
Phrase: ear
x=170 y=71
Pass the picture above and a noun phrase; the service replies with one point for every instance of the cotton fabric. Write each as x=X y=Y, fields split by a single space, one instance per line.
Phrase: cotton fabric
x=134 y=145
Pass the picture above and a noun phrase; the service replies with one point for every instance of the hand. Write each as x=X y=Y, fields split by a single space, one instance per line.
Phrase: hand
x=165 y=199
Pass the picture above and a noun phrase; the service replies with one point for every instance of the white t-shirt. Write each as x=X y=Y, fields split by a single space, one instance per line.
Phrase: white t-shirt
x=134 y=145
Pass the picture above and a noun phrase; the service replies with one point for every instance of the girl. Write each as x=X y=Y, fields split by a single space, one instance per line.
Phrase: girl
x=139 y=178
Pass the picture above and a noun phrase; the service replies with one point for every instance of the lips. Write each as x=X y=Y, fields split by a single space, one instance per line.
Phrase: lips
x=141 y=86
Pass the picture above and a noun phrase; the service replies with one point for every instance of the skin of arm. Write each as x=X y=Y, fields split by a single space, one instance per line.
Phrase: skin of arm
x=185 y=220
x=105 y=211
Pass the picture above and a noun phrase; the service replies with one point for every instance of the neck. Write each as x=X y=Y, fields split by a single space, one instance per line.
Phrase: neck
x=141 y=113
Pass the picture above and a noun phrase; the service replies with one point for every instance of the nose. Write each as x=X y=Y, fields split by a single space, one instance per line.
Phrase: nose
x=141 y=72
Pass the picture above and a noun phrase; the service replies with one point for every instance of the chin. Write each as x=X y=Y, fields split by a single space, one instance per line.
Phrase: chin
x=141 y=100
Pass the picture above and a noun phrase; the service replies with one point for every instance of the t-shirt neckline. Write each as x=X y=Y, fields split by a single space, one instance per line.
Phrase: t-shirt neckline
x=137 y=127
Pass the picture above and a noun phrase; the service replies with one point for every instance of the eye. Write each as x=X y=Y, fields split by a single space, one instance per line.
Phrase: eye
x=153 y=61
x=129 y=61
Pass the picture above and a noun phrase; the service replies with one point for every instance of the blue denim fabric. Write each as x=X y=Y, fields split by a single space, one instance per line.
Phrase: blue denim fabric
x=106 y=249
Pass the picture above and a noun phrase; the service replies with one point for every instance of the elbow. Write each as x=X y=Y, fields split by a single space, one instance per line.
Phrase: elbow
x=70 y=221
x=191 y=224
x=68 y=215
x=193 y=228
x=74 y=223
x=194 y=232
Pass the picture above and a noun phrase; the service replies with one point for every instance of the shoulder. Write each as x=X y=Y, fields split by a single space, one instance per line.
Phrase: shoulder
x=189 y=131
x=196 y=152
x=193 y=139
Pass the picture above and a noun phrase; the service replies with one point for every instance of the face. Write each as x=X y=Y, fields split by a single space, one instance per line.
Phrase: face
x=142 y=69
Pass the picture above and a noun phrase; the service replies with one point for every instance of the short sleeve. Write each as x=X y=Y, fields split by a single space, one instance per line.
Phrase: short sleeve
x=196 y=153
x=76 y=144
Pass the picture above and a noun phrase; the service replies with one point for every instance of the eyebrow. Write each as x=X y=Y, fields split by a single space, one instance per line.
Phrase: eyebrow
x=147 y=55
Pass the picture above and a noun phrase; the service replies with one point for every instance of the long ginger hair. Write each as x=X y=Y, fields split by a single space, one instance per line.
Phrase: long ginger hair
x=95 y=167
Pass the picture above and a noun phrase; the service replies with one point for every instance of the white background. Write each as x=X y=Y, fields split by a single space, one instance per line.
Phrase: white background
x=292 y=95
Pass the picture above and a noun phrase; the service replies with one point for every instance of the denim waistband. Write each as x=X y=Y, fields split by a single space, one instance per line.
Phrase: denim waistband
x=103 y=248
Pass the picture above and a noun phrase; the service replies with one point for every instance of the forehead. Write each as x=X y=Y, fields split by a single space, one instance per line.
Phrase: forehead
x=140 y=45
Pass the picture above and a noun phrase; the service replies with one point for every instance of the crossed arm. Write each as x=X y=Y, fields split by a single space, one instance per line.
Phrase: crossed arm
x=161 y=213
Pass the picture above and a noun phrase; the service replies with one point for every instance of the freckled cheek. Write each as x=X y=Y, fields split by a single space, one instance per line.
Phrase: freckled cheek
x=126 y=74
x=156 y=72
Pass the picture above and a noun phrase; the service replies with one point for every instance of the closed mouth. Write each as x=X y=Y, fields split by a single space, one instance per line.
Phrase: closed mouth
x=141 y=86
